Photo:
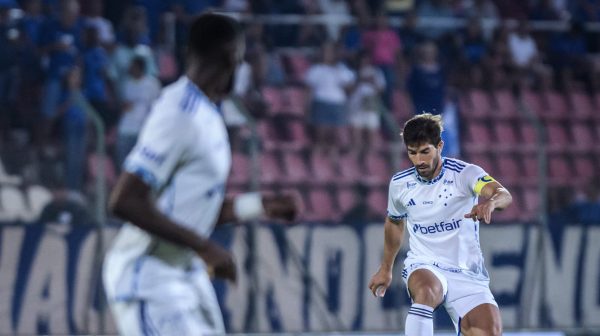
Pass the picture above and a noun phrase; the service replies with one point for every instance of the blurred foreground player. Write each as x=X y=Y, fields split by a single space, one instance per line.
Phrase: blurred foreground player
x=437 y=200
x=156 y=274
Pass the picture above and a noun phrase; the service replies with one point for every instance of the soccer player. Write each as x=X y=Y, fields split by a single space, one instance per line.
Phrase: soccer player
x=437 y=201
x=156 y=274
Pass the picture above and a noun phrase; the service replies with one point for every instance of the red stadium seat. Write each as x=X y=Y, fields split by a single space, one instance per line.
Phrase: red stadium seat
x=295 y=101
x=402 y=106
x=296 y=168
x=528 y=137
x=506 y=105
x=321 y=206
x=533 y=101
x=555 y=107
x=479 y=137
x=346 y=199
x=240 y=169
x=273 y=98
x=298 y=64
x=531 y=204
x=377 y=201
x=476 y=104
x=509 y=170
x=350 y=169
x=584 y=170
x=322 y=167
x=267 y=134
x=558 y=136
x=583 y=105
x=560 y=174
x=583 y=136
x=486 y=162
x=270 y=169
x=377 y=168
x=505 y=136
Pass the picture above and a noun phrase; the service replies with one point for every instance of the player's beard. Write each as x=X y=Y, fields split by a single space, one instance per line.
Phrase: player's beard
x=428 y=174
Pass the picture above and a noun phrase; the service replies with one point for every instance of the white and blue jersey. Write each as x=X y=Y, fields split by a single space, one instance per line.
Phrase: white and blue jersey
x=183 y=153
x=434 y=212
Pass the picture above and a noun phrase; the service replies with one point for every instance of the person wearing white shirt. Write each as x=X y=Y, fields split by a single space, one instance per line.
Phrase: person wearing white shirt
x=526 y=58
x=441 y=203
x=139 y=91
x=328 y=82
x=157 y=273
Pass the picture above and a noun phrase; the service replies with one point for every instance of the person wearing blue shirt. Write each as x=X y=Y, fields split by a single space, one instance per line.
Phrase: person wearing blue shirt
x=427 y=82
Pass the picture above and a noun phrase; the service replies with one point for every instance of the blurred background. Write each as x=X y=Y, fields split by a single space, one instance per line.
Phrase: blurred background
x=316 y=111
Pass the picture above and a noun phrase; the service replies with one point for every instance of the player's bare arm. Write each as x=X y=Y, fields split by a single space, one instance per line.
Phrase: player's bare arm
x=393 y=235
x=279 y=207
x=131 y=200
x=495 y=197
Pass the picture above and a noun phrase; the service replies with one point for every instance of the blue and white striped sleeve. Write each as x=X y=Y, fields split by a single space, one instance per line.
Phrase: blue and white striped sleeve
x=161 y=146
x=395 y=209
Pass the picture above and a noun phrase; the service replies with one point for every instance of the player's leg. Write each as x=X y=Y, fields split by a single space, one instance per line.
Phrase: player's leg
x=426 y=289
x=483 y=320
x=472 y=306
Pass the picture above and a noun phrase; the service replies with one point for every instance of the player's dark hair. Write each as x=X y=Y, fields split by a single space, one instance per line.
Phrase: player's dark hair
x=210 y=34
x=422 y=129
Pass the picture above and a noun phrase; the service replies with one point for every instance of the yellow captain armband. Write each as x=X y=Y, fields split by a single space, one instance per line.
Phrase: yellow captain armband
x=481 y=182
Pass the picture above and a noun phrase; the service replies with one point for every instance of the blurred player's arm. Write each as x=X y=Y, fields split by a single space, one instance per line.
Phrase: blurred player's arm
x=495 y=197
x=393 y=235
x=131 y=200
x=250 y=206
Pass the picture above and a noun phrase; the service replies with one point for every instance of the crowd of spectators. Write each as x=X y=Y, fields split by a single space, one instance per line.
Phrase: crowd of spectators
x=118 y=54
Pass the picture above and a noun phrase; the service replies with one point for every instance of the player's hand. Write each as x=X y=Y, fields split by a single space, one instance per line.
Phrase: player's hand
x=481 y=211
x=280 y=207
x=219 y=261
x=380 y=282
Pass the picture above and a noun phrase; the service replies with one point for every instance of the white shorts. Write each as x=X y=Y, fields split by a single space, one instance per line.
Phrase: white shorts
x=462 y=293
x=195 y=314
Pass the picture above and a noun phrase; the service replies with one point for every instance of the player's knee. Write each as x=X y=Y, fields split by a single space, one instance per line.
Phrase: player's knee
x=428 y=295
x=495 y=329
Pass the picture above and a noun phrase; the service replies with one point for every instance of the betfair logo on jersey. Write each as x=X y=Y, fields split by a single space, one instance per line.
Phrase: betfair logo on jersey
x=437 y=227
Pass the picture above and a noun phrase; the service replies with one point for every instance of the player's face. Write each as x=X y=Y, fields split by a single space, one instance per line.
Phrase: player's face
x=426 y=158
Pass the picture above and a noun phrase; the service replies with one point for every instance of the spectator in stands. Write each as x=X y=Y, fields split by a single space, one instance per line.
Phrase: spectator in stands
x=164 y=50
x=410 y=35
x=474 y=50
x=587 y=207
x=32 y=21
x=587 y=11
x=482 y=9
x=383 y=44
x=497 y=65
x=9 y=37
x=435 y=9
x=133 y=35
x=339 y=12
x=311 y=34
x=140 y=89
x=427 y=81
x=61 y=45
x=74 y=122
x=328 y=81
x=104 y=27
x=569 y=56
x=361 y=213
x=364 y=103
x=526 y=60
x=95 y=75
x=544 y=10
